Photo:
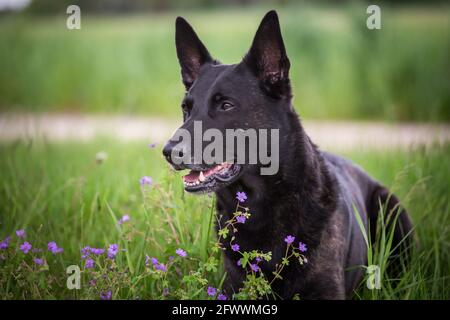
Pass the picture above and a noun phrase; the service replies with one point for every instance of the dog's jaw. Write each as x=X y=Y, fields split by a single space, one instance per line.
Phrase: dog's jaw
x=211 y=179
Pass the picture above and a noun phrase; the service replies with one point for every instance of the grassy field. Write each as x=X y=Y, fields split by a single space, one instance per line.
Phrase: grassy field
x=71 y=194
x=127 y=64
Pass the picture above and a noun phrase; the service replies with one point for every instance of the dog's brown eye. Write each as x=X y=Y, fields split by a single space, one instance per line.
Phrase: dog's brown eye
x=226 y=106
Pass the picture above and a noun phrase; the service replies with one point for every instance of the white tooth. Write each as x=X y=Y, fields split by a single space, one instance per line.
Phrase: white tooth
x=201 y=177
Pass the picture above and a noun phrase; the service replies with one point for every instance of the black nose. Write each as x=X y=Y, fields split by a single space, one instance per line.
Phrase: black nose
x=173 y=152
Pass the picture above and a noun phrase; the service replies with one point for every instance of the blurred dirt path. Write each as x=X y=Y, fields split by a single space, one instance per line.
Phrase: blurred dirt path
x=327 y=134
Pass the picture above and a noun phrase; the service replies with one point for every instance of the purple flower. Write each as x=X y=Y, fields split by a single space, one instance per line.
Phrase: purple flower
x=85 y=252
x=161 y=266
x=5 y=243
x=97 y=251
x=254 y=267
x=147 y=260
x=165 y=292
x=92 y=282
x=146 y=181
x=221 y=296
x=171 y=258
x=241 y=196
x=106 y=295
x=289 y=239
x=235 y=247
x=154 y=261
x=89 y=264
x=302 y=247
x=241 y=218
x=211 y=291
x=53 y=247
x=258 y=259
x=112 y=251
x=181 y=252
x=239 y=262
x=38 y=261
x=25 y=247
x=124 y=218
x=21 y=233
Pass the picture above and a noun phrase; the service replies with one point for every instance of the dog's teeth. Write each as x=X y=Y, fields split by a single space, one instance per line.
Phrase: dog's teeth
x=201 y=177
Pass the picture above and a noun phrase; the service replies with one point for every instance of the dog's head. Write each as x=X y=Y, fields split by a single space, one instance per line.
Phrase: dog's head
x=253 y=94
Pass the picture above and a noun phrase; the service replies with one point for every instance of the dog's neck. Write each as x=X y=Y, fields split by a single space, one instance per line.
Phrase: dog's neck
x=309 y=202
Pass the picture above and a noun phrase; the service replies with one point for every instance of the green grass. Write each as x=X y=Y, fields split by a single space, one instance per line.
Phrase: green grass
x=58 y=192
x=127 y=64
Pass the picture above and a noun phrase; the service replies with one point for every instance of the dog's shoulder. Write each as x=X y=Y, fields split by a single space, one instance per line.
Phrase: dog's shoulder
x=347 y=171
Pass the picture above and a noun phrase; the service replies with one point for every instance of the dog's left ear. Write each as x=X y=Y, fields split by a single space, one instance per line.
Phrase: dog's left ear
x=191 y=52
x=267 y=57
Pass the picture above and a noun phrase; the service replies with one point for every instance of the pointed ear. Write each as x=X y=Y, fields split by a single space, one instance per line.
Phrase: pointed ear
x=267 y=57
x=191 y=52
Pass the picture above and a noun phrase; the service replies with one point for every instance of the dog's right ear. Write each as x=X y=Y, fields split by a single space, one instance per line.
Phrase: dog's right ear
x=191 y=52
x=268 y=59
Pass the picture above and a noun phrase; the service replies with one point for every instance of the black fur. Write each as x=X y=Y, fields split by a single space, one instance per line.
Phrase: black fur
x=312 y=195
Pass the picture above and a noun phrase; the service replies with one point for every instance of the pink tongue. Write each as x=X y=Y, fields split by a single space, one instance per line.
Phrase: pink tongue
x=191 y=176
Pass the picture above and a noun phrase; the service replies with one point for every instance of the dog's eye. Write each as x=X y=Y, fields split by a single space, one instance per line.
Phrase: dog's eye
x=226 y=105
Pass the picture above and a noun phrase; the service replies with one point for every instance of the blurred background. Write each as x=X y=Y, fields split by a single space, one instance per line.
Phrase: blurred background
x=123 y=59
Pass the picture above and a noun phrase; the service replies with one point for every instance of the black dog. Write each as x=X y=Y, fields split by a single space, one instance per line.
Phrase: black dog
x=314 y=193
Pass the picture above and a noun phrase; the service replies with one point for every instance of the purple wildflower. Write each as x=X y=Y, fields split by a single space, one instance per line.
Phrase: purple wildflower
x=25 y=247
x=221 y=296
x=53 y=247
x=146 y=181
x=211 y=291
x=124 y=218
x=258 y=259
x=161 y=266
x=92 y=282
x=154 y=261
x=254 y=267
x=289 y=239
x=97 y=251
x=171 y=258
x=181 y=252
x=38 y=261
x=302 y=247
x=21 y=233
x=112 y=251
x=147 y=260
x=239 y=262
x=241 y=218
x=85 y=252
x=106 y=295
x=235 y=247
x=241 y=196
x=165 y=292
x=89 y=264
x=5 y=243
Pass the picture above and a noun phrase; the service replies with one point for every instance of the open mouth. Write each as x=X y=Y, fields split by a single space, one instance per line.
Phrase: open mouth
x=211 y=179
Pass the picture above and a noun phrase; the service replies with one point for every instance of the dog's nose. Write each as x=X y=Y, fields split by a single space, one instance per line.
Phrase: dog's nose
x=173 y=152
